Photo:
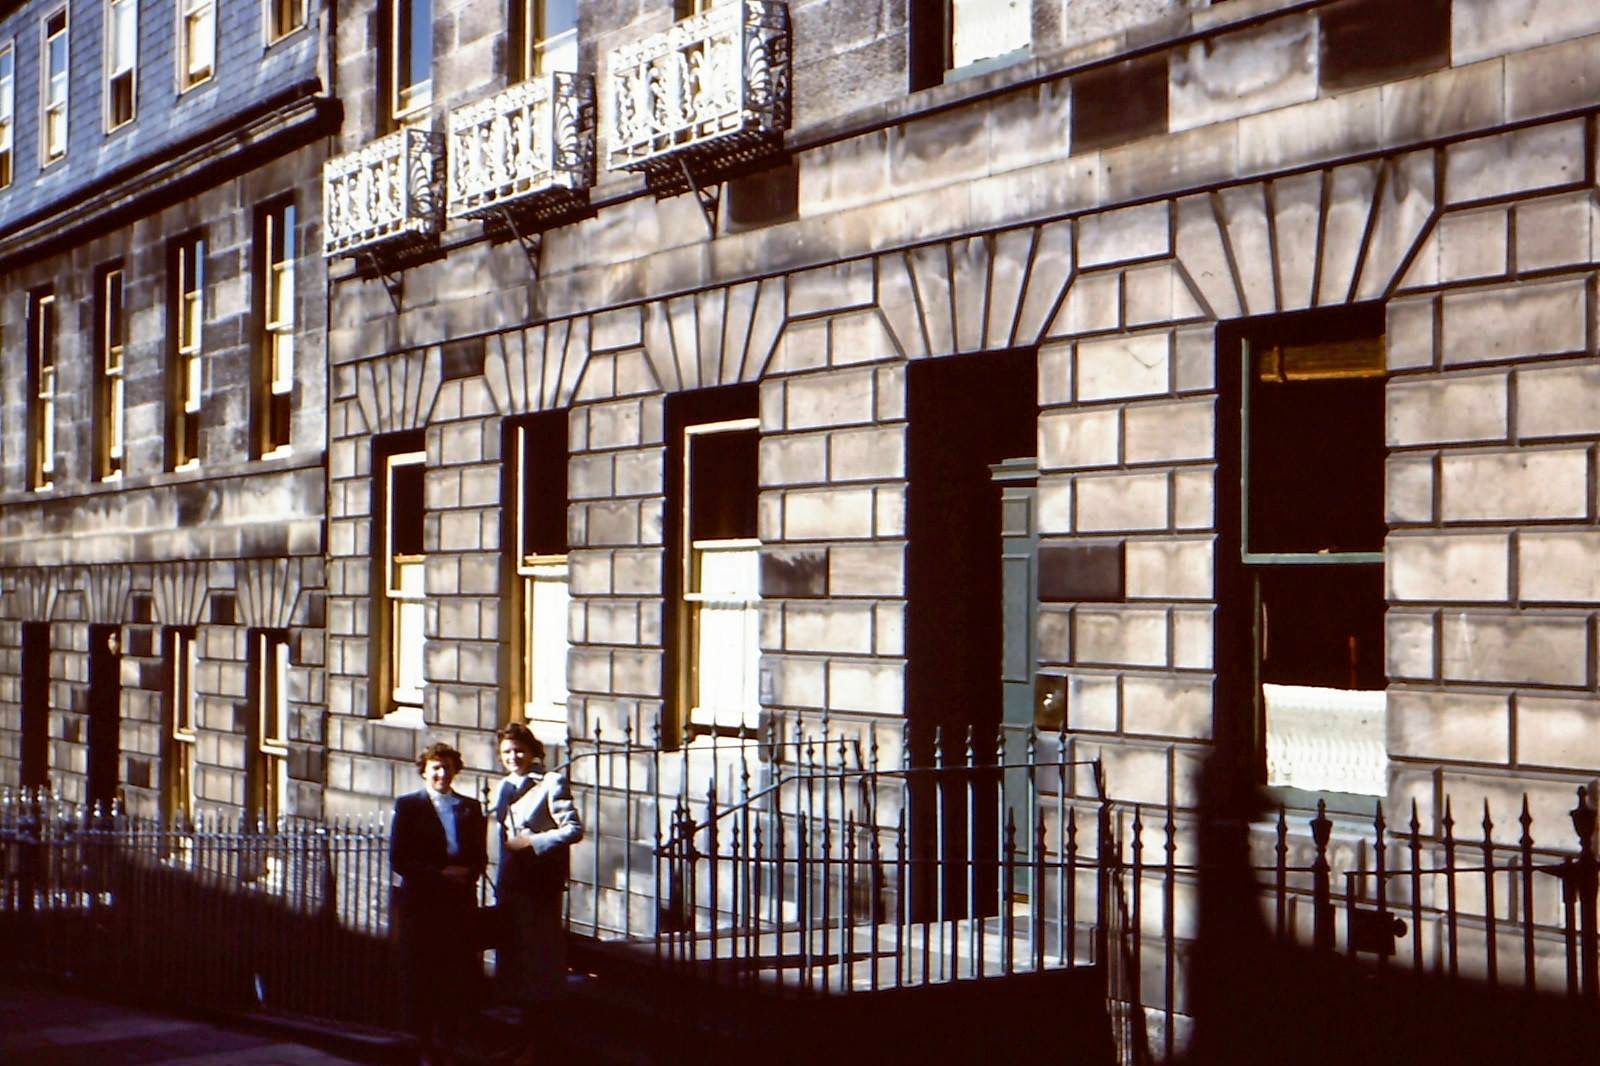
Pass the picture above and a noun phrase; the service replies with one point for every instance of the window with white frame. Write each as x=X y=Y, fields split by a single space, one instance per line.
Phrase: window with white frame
x=122 y=61
x=110 y=382
x=180 y=651
x=269 y=694
x=547 y=36
x=284 y=17
x=54 y=91
x=410 y=57
x=275 y=388
x=8 y=116
x=536 y=448
x=186 y=389
x=399 y=462
x=197 y=42
x=41 y=388
x=720 y=611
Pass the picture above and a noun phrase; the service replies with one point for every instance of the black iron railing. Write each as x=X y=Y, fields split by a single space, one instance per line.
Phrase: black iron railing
x=818 y=867
x=223 y=913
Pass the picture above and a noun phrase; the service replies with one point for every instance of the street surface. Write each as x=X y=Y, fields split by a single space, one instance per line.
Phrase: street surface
x=45 y=1025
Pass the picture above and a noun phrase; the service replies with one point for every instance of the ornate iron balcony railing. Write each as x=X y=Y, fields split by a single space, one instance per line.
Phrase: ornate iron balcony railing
x=529 y=148
x=711 y=91
x=386 y=195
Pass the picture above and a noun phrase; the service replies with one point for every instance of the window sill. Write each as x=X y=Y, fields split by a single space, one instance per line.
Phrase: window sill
x=404 y=718
x=290 y=35
x=980 y=67
x=1298 y=801
x=282 y=451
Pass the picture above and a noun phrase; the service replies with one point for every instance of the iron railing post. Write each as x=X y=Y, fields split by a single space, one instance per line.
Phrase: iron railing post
x=1321 y=890
x=1588 y=876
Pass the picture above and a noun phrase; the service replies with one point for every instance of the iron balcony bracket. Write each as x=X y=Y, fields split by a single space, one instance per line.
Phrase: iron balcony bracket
x=708 y=196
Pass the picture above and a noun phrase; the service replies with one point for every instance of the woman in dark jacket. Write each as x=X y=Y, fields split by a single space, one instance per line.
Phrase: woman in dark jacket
x=437 y=849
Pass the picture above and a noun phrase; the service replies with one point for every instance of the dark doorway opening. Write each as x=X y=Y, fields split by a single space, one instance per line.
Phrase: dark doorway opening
x=966 y=414
x=105 y=716
x=35 y=704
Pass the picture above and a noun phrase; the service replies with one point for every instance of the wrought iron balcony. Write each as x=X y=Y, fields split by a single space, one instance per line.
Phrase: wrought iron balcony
x=528 y=149
x=386 y=196
x=710 y=93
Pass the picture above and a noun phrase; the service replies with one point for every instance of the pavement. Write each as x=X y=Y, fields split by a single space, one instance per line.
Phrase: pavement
x=45 y=1024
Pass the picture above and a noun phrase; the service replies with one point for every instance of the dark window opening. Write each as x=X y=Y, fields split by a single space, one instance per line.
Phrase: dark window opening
x=765 y=197
x=105 y=713
x=1315 y=443
x=1300 y=567
x=1362 y=43
x=35 y=704
x=1119 y=103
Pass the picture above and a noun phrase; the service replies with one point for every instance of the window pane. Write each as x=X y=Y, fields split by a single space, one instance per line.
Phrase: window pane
x=199 y=41
x=545 y=632
x=1316 y=447
x=124 y=35
x=189 y=322
x=283 y=294
x=727 y=636
x=557 y=36
x=1321 y=663
x=408 y=649
x=1326 y=739
x=405 y=505
x=983 y=29
x=722 y=484
x=191 y=384
x=413 y=53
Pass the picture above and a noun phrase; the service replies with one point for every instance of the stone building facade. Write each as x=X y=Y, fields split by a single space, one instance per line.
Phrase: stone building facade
x=1210 y=382
x=162 y=483
x=1058 y=253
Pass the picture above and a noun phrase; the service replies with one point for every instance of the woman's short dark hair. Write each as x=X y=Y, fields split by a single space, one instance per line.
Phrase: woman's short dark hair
x=521 y=736
x=441 y=751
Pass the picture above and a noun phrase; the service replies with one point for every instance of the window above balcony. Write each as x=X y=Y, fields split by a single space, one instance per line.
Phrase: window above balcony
x=528 y=150
x=385 y=197
x=708 y=96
